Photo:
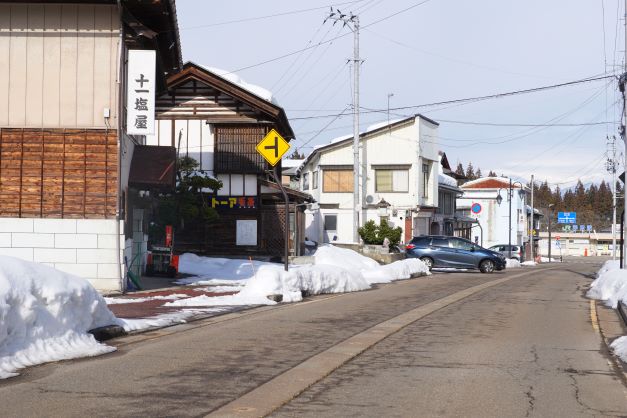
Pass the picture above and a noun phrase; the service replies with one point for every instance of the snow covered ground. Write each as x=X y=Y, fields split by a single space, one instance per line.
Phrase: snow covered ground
x=611 y=287
x=45 y=314
x=336 y=270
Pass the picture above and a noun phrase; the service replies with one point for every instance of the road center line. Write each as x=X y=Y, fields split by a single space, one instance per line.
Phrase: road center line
x=273 y=394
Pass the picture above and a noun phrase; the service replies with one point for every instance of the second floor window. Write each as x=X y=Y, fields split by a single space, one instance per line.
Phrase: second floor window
x=391 y=181
x=337 y=181
x=314 y=180
x=306 y=181
x=425 y=180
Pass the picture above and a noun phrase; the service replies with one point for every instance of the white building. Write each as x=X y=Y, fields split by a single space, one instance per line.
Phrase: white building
x=481 y=200
x=398 y=180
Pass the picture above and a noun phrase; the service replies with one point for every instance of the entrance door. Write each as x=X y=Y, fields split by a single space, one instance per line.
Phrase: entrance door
x=330 y=228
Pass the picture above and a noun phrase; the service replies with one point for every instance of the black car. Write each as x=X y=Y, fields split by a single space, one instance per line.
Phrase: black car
x=453 y=252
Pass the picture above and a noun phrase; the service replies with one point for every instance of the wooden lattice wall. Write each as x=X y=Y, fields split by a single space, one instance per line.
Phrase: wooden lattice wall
x=58 y=173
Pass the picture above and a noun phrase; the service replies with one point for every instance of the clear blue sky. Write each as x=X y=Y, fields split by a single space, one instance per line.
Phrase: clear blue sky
x=436 y=51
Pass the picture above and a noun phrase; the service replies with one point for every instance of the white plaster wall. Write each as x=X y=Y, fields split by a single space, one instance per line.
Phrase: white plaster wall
x=83 y=247
x=494 y=218
x=196 y=139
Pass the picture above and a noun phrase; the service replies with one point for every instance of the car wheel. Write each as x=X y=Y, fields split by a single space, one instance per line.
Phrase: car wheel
x=428 y=261
x=486 y=266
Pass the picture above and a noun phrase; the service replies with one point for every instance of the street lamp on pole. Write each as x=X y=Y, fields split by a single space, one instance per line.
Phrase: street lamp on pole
x=499 y=199
x=549 y=227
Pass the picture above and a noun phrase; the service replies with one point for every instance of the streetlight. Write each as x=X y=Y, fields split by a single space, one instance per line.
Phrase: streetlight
x=499 y=199
x=549 y=215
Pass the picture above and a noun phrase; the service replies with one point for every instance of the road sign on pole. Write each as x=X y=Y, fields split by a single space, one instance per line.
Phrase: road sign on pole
x=272 y=147
x=566 y=217
x=557 y=238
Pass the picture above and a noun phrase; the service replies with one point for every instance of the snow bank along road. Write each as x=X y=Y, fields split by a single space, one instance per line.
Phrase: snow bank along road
x=523 y=346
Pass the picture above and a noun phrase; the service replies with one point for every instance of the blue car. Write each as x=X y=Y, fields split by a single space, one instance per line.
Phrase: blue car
x=453 y=252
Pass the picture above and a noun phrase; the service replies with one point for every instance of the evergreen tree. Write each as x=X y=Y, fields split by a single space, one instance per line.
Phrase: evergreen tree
x=491 y=174
x=296 y=155
x=470 y=172
x=478 y=174
x=460 y=169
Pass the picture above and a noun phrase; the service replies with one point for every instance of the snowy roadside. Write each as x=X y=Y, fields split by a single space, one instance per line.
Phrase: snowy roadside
x=45 y=314
x=611 y=287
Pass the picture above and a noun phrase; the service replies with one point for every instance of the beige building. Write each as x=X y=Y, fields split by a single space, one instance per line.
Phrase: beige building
x=65 y=159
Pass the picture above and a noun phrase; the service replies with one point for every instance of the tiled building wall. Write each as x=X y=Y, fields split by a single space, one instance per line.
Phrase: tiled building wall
x=83 y=247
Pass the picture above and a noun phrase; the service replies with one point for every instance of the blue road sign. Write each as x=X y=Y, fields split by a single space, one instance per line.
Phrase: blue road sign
x=589 y=228
x=566 y=217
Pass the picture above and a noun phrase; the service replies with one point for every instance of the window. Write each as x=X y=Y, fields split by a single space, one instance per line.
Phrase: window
x=461 y=244
x=330 y=222
x=337 y=181
x=440 y=242
x=314 y=179
x=391 y=180
x=425 y=180
x=306 y=181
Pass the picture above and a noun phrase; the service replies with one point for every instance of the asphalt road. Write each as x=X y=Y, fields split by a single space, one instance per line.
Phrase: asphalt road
x=440 y=346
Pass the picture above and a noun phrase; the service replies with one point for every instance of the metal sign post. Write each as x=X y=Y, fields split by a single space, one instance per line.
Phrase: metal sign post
x=272 y=147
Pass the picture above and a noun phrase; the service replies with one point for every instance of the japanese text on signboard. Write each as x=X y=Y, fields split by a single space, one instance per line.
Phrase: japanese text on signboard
x=140 y=104
x=231 y=202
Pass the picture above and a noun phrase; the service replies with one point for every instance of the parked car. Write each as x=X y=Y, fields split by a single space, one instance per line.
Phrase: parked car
x=444 y=251
x=518 y=252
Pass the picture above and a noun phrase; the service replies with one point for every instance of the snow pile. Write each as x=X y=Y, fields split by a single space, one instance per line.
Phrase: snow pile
x=216 y=271
x=336 y=270
x=45 y=315
x=610 y=285
x=528 y=263
x=512 y=263
x=619 y=346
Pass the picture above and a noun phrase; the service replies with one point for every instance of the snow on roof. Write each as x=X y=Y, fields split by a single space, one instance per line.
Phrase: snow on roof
x=447 y=180
x=292 y=162
x=379 y=125
x=340 y=139
x=489 y=183
x=235 y=79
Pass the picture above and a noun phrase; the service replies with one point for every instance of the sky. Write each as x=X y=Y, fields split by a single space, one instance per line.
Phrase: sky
x=415 y=53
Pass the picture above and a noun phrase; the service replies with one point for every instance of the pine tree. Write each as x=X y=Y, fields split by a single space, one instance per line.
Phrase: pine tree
x=491 y=174
x=478 y=174
x=460 y=169
x=470 y=172
x=296 y=155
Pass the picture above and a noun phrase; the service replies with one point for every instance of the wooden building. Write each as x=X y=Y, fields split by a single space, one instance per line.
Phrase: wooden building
x=219 y=121
x=65 y=155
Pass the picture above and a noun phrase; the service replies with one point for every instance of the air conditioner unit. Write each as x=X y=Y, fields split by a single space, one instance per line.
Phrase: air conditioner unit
x=372 y=199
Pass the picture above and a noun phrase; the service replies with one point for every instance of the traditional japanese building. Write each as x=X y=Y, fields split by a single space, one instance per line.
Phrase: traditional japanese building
x=218 y=120
x=66 y=145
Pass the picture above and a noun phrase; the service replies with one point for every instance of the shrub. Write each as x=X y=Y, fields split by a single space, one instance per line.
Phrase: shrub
x=374 y=234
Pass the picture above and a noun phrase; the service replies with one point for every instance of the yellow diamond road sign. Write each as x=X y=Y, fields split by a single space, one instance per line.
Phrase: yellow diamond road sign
x=272 y=147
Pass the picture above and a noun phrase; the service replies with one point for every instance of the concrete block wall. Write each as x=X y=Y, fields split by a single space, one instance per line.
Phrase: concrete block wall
x=83 y=247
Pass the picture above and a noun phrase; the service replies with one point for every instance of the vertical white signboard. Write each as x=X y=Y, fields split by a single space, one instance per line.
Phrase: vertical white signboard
x=140 y=93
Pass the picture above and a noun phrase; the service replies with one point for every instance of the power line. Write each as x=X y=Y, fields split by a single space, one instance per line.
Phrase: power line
x=478 y=98
x=289 y=54
x=250 y=19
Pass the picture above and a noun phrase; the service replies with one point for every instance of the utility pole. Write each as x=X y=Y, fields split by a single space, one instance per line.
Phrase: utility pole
x=352 y=21
x=611 y=168
x=531 y=238
x=623 y=82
